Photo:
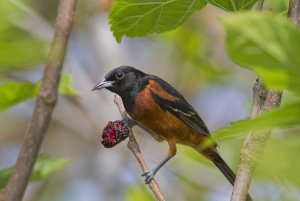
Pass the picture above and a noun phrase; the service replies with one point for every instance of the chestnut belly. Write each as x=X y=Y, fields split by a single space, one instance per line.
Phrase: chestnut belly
x=163 y=124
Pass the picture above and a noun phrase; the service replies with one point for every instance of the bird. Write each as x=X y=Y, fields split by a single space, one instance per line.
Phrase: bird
x=157 y=107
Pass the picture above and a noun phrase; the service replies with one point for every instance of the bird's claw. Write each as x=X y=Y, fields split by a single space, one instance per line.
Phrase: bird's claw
x=149 y=175
x=129 y=122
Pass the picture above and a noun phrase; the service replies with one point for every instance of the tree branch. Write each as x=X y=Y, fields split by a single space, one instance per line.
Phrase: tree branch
x=260 y=4
x=45 y=102
x=294 y=12
x=253 y=148
x=134 y=147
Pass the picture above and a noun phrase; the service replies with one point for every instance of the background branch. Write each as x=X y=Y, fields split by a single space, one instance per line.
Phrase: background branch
x=294 y=12
x=45 y=103
x=253 y=148
x=134 y=147
x=260 y=4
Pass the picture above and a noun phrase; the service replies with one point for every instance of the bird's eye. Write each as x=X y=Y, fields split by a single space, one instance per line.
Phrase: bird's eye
x=119 y=75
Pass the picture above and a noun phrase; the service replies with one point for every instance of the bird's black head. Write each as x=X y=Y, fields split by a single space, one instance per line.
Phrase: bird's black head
x=120 y=80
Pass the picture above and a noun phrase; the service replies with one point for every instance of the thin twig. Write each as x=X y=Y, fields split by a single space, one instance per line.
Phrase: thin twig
x=134 y=147
x=253 y=147
x=45 y=103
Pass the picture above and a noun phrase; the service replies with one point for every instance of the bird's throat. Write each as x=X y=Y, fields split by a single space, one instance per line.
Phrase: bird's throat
x=128 y=101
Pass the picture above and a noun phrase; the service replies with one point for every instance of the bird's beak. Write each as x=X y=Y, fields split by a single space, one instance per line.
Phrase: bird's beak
x=103 y=84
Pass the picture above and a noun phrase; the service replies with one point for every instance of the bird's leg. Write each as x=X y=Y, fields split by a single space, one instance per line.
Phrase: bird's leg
x=149 y=175
x=129 y=122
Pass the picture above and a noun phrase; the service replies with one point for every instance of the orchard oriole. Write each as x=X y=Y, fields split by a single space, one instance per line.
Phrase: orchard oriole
x=159 y=108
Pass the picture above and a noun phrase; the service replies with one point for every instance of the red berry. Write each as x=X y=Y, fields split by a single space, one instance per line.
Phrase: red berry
x=114 y=133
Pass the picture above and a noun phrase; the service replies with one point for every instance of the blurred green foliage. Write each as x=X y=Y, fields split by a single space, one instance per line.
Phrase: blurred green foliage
x=138 y=17
x=18 y=49
x=190 y=50
x=43 y=168
x=266 y=44
x=21 y=51
x=282 y=117
x=14 y=92
x=138 y=193
x=283 y=158
x=277 y=6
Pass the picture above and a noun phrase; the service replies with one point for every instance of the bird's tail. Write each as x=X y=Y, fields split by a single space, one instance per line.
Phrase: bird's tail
x=213 y=155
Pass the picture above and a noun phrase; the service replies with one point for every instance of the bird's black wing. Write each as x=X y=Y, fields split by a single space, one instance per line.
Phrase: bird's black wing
x=180 y=108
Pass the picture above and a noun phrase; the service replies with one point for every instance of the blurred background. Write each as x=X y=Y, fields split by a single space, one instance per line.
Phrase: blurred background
x=192 y=58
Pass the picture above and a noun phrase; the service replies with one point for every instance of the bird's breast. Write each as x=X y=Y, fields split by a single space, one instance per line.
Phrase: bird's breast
x=163 y=124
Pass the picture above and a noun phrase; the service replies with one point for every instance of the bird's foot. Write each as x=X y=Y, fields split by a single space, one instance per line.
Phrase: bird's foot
x=149 y=175
x=129 y=122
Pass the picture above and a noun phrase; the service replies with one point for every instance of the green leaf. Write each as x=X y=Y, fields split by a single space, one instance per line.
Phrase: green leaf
x=268 y=45
x=43 y=168
x=65 y=86
x=233 y=5
x=283 y=169
x=13 y=92
x=46 y=165
x=284 y=117
x=134 y=18
x=4 y=177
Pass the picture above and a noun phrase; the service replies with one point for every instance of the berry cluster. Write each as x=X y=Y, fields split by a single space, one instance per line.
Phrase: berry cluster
x=114 y=133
